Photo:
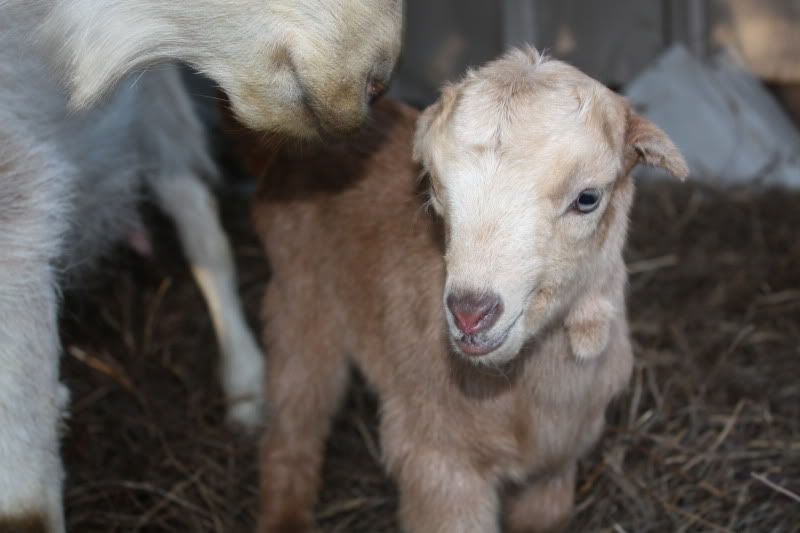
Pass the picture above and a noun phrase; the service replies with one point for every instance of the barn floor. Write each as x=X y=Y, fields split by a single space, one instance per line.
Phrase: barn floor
x=706 y=439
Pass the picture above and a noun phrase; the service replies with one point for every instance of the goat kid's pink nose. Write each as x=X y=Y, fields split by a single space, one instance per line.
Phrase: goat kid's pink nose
x=474 y=312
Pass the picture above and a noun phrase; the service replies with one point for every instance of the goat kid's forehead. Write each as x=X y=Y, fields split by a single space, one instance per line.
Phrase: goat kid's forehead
x=544 y=148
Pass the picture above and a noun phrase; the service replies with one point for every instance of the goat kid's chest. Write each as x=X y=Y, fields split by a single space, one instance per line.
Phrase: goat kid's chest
x=540 y=423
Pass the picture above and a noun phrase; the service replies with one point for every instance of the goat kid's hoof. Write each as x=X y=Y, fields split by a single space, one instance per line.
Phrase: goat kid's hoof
x=293 y=529
x=289 y=526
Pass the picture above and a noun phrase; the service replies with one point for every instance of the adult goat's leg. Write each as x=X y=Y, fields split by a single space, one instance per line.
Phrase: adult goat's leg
x=31 y=398
x=187 y=200
x=31 y=402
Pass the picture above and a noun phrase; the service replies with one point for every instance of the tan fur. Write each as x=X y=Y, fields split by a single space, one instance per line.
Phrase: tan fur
x=359 y=278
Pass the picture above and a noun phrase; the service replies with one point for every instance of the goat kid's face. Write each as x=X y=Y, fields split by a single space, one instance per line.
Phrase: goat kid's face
x=315 y=69
x=529 y=162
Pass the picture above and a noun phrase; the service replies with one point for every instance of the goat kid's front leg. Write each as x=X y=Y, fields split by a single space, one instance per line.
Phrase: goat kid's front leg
x=437 y=497
x=544 y=506
x=307 y=378
x=188 y=201
x=438 y=492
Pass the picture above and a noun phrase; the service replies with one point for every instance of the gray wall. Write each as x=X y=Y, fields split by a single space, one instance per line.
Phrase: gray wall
x=613 y=40
x=442 y=38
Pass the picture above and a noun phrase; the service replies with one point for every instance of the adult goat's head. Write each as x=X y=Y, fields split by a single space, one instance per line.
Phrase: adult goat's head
x=300 y=67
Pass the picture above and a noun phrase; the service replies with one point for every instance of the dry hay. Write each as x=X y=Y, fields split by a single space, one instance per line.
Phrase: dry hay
x=706 y=439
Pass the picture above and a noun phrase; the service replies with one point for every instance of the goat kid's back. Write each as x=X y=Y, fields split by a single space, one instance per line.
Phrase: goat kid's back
x=364 y=248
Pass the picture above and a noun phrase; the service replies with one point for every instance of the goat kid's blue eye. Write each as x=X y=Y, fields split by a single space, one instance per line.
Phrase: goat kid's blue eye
x=588 y=200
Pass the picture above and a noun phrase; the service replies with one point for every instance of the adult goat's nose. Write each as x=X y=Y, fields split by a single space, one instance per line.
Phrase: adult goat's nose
x=474 y=312
x=376 y=87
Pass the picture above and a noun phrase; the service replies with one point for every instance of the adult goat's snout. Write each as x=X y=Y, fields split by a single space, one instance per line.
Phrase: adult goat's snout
x=376 y=87
x=341 y=108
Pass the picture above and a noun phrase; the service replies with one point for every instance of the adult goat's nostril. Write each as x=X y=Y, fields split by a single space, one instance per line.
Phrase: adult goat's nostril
x=375 y=89
x=474 y=312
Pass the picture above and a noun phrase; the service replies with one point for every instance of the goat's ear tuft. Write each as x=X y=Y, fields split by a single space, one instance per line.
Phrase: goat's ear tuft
x=653 y=147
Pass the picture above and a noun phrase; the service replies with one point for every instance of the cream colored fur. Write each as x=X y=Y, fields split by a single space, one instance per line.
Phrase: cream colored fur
x=293 y=66
x=509 y=149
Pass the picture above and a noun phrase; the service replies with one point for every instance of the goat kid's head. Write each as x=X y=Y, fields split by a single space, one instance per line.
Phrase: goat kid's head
x=529 y=162
x=297 y=67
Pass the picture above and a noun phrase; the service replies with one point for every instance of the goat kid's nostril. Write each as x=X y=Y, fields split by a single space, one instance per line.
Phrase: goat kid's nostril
x=473 y=312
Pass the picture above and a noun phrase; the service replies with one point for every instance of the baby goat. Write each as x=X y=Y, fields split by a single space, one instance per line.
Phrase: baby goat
x=494 y=334
x=72 y=161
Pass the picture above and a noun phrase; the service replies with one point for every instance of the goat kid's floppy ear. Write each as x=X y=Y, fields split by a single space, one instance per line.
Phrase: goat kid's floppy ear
x=653 y=147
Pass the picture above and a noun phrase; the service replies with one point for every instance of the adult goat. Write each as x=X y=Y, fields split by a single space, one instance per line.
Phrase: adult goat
x=80 y=135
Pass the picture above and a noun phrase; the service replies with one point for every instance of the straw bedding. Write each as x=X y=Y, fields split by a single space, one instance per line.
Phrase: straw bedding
x=707 y=438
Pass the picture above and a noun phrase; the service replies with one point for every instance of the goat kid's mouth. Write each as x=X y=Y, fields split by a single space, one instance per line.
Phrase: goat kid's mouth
x=478 y=345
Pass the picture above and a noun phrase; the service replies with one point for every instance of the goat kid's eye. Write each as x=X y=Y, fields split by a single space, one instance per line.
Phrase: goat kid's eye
x=588 y=200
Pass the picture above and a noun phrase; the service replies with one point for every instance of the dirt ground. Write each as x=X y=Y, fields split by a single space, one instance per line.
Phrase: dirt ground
x=707 y=438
